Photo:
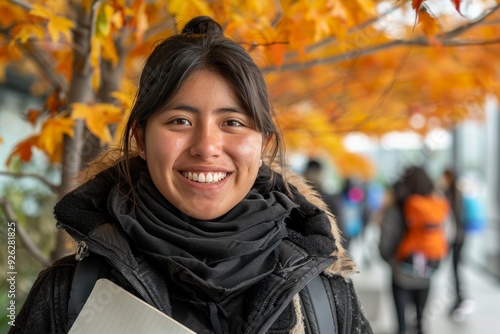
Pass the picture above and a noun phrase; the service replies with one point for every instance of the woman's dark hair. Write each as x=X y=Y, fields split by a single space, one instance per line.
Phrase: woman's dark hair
x=416 y=181
x=202 y=46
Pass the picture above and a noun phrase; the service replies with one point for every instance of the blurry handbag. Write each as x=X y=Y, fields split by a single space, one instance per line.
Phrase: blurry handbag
x=417 y=266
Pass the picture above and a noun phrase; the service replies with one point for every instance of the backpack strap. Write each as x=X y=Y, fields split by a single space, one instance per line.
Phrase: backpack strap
x=87 y=272
x=321 y=312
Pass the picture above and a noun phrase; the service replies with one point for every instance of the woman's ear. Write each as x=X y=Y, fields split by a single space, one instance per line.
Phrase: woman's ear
x=138 y=134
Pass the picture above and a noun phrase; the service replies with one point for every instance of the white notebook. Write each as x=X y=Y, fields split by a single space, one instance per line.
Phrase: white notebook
x=112 y=310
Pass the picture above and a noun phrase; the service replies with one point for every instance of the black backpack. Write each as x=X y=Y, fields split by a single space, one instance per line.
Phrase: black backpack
x=314 y=296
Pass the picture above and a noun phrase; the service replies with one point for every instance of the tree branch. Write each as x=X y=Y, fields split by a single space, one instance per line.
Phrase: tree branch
x=53 y=188
x=330 y=40
x=41 y=58
x=460 y=30
x=419 y=41
x=23 y=236
x=159 y=27
x=279 y=13
x=444 y=40
x=22 y=4
x=384 y=94
x=46 y=66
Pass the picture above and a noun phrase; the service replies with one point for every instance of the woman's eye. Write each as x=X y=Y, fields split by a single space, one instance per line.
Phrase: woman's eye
x=233 y=122
x=180 y=121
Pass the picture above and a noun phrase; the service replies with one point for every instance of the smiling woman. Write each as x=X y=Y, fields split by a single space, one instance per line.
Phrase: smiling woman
x=196 y=213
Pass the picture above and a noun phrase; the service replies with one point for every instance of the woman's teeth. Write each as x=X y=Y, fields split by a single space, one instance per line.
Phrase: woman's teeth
x=205 y=177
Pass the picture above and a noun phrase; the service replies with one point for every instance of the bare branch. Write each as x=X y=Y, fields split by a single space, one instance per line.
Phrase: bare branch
x=384 y=94
x=255 y=44
x=454 y=43
x=279 y=14
x=23 y=236
x=419 y=41
x=22 y=4
x=461 y=29
x=44 y=61
x=46 y=66
x=160 y=26
x=332 y=59
x=53 y=188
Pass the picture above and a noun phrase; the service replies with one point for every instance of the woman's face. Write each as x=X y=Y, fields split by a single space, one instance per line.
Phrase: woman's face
x=202 y=150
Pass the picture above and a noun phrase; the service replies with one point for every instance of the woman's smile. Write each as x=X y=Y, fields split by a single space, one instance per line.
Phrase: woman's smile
x=205 y=177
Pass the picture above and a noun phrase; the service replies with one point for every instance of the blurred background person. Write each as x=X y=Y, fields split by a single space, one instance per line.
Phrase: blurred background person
x=466 y=215
x=413 y=241
x=315 y=174
x=355 y=209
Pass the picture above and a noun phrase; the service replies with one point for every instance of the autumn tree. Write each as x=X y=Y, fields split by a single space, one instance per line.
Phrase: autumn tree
x=332 y=66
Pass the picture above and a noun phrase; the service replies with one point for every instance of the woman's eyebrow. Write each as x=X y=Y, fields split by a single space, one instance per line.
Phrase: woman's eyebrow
x=221 y=110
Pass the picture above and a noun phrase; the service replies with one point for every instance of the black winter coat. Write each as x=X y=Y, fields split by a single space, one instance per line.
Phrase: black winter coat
x=273 y=305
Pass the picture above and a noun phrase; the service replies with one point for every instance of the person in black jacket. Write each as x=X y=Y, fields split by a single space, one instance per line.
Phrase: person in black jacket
x=314 y=174
x=196 y=213
x=449 y=184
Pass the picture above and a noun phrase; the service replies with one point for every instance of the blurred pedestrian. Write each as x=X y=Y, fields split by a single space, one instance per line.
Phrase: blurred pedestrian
x=461 y=306
x=315 y=174
x=413 y=241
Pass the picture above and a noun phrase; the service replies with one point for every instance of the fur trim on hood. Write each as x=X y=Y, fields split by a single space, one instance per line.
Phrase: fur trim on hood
x=344 y=266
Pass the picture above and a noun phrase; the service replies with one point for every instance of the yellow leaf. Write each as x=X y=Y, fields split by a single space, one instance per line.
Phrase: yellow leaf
x=186 y=9
x=98 y=118
x=40 y=11
x=109 y=50
x=103 y=22
x=125 y=99
x=24 y=31
x=60 y=25
x=52 y=135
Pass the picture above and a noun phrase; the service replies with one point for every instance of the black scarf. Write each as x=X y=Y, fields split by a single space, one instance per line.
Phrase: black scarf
x=208 y=259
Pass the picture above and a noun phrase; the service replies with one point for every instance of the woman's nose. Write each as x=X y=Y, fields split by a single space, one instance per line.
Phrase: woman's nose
x=206 y=142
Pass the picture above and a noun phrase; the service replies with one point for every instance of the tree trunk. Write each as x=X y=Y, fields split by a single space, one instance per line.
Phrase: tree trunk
x=80 y=90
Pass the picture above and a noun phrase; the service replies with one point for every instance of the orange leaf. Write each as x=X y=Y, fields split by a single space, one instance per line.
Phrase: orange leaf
x=52 y=136
x=416 y=4
x=53 y=102
x=10 y=14
x=23 y=149
x=430 y=26
x=140 y=19
x=32 y=116
x=278 y=51
x=456 y=4
x=97 y=118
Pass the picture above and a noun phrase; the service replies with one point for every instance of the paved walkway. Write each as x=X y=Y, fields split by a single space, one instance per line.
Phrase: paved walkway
x=373 y=288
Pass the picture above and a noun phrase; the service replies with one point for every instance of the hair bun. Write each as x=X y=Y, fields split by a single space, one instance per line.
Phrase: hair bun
x=203 y=25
